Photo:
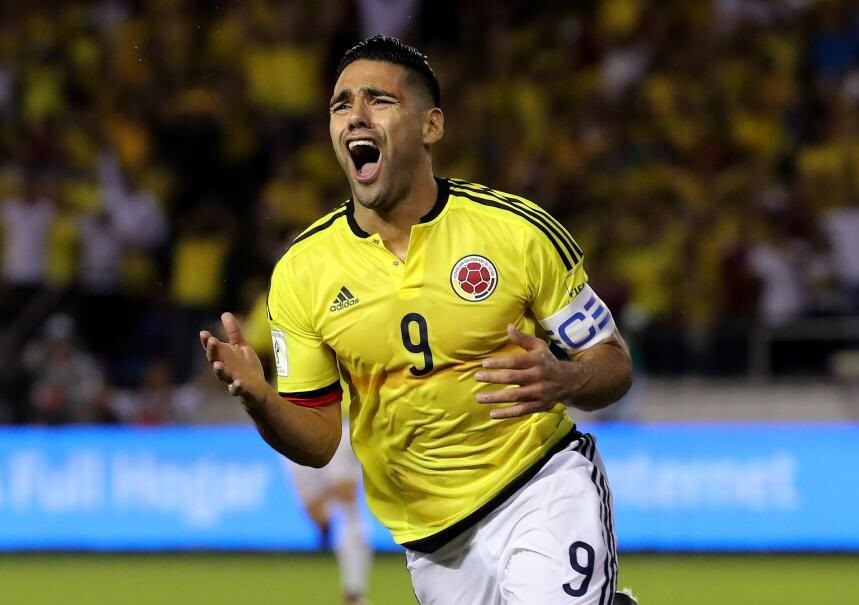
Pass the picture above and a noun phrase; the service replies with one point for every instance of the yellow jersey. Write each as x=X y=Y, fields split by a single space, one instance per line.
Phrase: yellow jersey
x=408 y=337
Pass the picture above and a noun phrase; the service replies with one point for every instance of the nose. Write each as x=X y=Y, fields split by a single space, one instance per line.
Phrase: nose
x=359 y=116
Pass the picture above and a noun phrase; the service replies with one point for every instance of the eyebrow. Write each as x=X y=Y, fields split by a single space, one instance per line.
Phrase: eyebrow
x=371 y=91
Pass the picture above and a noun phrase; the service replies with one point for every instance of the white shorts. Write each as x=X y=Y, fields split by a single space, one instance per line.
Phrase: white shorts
x=312 y=483
x=551 y=543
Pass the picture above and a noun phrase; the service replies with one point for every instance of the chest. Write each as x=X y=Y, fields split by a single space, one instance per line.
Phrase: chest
x=448 y=303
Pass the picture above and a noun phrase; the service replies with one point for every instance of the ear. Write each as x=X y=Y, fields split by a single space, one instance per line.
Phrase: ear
x=433 y=129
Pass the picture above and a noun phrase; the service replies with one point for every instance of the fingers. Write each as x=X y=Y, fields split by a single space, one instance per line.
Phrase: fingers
x=534 y=392
x=534 y=346
x=236 y=388
x=505 y=376
x=512 y=362
x=221 y=372
x=527 y=342
x=527 y=399
x=528 y=371
x=232 y=328
x=520 y=409
x=235 y=385
x=211 y=346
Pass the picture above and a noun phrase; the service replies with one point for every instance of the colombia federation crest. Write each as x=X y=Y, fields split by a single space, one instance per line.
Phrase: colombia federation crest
x=474 y=278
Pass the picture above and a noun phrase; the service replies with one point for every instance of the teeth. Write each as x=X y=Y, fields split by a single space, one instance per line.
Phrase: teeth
x=354 y=144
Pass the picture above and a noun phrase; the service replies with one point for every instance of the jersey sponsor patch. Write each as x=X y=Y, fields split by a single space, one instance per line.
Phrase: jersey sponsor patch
x=280 y=360
x=580 y=325
x=474 y=278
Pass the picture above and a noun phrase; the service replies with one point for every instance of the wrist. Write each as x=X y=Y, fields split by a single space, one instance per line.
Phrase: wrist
x=257 y=400
x=577 y=377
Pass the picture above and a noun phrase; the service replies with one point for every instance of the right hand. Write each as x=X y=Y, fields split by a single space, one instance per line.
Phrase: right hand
x=235 y=362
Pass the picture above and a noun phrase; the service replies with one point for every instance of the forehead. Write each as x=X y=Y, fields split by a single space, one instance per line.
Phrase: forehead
x=377 y=74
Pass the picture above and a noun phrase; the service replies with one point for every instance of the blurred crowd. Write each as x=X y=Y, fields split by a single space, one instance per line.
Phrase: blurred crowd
x=156 y=156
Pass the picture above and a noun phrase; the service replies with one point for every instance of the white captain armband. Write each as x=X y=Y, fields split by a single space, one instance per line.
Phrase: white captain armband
x=584 y=322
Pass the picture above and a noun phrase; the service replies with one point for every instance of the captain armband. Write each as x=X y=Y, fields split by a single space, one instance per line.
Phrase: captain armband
x=584 y=322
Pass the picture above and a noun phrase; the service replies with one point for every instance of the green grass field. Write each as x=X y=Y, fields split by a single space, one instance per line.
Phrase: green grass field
x=260 y=579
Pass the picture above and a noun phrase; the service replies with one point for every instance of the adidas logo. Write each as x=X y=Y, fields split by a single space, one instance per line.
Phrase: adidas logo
x=344 y=300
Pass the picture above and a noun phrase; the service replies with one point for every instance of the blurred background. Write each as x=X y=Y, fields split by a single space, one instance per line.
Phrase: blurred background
x=155 y=158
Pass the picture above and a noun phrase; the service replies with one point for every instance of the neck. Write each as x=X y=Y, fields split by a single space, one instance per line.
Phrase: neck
x=394 y=222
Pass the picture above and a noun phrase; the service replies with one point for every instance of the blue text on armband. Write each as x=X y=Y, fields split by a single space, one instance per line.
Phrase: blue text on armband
x=579 y=325
x=595 y=315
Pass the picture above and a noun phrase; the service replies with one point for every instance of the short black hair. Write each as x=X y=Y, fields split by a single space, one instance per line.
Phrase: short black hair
x=392 y=50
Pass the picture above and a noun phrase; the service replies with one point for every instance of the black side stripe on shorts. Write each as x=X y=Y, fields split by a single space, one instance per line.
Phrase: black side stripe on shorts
x=611 y=575
x=613 y=535
x=587 y=448
x=537 y=212
x=611 y=557
x=607 y=592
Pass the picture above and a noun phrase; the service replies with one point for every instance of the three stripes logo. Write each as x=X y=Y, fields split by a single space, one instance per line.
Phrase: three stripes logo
x=344 y=300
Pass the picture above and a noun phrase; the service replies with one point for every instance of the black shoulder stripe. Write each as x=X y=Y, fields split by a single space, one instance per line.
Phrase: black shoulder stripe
x=568 y=262
x=549 y=217
x=537 y=212
x=534 y=208
x=558 y=241
x=314 y=230
x=555 y=234
x=564 y=233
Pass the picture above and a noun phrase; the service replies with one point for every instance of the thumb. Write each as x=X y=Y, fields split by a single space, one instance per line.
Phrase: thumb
x=232 y=328
x=527 y=342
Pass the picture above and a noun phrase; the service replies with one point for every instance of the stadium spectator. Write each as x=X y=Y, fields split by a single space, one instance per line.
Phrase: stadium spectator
x=67 y=384
x=120 y=242
x=157 y=400
x=198 y=276
x=100 y=281
x=841 y=226
x=27 y=219
x=780 y=261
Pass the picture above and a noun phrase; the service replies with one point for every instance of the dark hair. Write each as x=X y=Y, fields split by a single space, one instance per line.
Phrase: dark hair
x=392 y=50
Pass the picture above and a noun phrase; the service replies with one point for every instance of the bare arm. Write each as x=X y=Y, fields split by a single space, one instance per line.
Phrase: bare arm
x=309 y=436
x=591 y=380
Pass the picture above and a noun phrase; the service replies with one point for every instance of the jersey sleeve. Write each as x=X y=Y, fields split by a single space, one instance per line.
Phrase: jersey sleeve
x=563 y=303
x=307 y=372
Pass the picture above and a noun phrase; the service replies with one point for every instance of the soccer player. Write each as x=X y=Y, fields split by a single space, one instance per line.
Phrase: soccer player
x=440 y=302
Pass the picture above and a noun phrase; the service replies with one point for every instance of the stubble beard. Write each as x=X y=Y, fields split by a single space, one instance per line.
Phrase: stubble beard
x=380 y=197
x=372 y=200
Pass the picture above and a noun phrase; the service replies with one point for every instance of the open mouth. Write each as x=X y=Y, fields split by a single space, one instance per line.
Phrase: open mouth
x=366 y=159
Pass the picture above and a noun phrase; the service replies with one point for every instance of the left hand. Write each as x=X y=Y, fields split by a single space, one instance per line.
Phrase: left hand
x=540 y=378
x=235 y=363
